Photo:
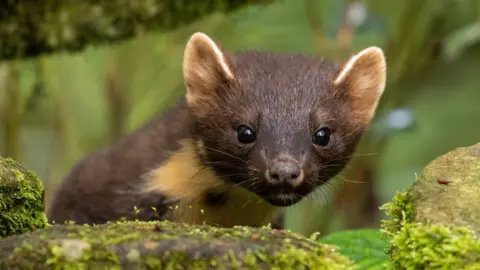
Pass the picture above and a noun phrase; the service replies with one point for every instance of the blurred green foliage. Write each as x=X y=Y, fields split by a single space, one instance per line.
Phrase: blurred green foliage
x=55 y=109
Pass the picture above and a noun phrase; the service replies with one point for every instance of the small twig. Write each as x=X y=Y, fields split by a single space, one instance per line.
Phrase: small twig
x=12 y=112
x=346 y=31
x=116 y=101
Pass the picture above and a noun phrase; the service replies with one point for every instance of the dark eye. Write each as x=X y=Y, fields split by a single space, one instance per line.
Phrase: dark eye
x=322 y=136
x=246 y=134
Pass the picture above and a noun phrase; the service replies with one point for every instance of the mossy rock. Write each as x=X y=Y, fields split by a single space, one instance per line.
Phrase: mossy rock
x=21 y=199
x=165 y=245
x=435 y=224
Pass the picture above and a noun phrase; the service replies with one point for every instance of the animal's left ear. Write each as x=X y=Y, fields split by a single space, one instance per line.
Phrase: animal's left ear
x=206 y=70
x=363 y=78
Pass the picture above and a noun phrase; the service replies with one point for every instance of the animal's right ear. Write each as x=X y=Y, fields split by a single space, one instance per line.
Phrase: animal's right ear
x=363 y=77
x=206 y=69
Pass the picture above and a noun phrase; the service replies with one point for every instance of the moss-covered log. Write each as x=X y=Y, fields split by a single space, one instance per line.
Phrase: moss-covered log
x=435 y=224
x=21 y=199
x=165 y=245
x=30 y=28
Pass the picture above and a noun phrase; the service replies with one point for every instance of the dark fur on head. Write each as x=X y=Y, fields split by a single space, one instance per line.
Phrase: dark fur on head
x=285 y=100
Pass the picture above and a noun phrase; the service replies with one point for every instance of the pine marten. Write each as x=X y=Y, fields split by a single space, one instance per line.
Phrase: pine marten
x=255 y=132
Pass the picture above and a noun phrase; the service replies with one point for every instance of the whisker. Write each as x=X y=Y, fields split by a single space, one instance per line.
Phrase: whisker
x=316 y=198
x=222 y=163
x=328 y=184
x=255 y=183
x=366 y=154
x=355 y=182
x=236 y=174
x=230 y=165
x=326 y=166
x=246 y=181
x=324 y=196
x=224 y=153
x=194 y=175
x=352 y=156
x=350 y=133
x=245 y=204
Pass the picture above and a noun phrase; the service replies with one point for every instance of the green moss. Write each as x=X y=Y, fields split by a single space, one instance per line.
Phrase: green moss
x=166 y=245
x=435 y=224
x=433 y=246
x=21 y=199
x=400 y=210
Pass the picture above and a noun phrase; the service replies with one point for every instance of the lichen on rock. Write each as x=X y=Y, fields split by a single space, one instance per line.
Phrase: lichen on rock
x=436 y=222
x=21 y=199
x=166 y=245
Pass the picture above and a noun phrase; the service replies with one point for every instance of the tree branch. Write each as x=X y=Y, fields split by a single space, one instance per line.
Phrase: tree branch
x=28 y=29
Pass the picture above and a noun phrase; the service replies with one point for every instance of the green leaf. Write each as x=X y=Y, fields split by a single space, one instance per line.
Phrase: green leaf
x=366 y=247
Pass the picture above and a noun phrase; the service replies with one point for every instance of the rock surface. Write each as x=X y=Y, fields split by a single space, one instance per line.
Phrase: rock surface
x=28 y=242
x=165 y=245
x=448 y=191
x=436 y=222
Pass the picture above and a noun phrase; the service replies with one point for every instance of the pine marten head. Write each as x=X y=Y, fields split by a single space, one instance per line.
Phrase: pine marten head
x=279 y=125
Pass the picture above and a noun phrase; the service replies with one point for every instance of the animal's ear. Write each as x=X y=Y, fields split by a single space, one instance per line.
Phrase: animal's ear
x=363 y=77
x=206 y=68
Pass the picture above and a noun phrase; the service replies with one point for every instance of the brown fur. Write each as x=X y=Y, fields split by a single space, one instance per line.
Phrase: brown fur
x=181 y=163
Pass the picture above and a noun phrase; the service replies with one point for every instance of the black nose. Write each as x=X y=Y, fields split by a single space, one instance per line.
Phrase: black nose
x=285 y=172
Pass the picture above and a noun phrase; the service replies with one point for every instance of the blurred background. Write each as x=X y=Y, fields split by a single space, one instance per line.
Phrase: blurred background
x=56 y=108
